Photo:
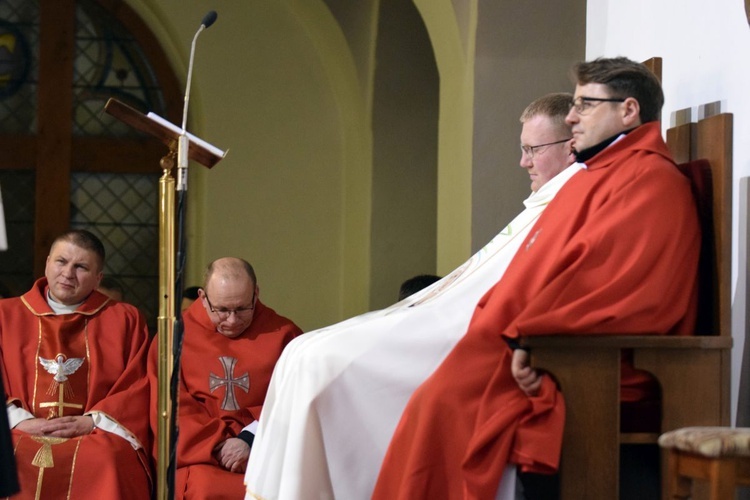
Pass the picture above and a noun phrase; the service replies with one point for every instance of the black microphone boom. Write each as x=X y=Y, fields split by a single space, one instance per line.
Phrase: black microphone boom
x=168 y=476
x=209 y=19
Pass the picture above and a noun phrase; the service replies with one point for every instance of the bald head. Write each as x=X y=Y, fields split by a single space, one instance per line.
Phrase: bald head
x=229 y=269
x=229 y=295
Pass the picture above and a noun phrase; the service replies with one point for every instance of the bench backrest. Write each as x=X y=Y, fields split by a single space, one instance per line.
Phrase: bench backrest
x=704 y=152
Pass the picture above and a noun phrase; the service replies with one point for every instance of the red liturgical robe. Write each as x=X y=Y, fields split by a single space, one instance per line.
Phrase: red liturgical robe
x=223 y=385
x=92 y=360
x=615 y=252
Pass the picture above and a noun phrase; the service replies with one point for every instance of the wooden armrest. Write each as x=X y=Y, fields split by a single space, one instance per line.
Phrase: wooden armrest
x=627 y=341
x=587 y=369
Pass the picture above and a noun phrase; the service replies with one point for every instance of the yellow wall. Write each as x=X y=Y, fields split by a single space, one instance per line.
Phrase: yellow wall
x=455 y=58
x=288 y=87
x=275 y=85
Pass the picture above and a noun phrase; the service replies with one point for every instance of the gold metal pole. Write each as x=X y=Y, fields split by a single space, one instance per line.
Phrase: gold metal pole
x=179 y=146
x=166 y=319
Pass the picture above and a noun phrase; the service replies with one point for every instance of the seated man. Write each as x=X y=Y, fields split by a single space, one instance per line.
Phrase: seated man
x=600 y=260
x=74 y=368
x=337 y=393
x=231 y=343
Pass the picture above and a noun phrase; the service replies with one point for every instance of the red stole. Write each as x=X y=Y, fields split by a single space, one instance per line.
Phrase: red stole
x=61 y=387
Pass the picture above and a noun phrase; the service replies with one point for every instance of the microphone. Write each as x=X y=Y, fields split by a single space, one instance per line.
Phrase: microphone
x=209 y=19
x=182 y=150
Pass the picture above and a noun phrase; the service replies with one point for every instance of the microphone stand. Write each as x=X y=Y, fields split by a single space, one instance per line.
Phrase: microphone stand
x=170 y=319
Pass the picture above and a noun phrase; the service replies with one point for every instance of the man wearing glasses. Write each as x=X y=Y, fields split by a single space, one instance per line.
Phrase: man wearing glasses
x=545 y=139
x=230 y=347
x=600 y=259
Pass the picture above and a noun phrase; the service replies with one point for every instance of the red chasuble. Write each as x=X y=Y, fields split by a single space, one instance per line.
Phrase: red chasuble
x=92 y=360
x=223 y=385
x=615 y=252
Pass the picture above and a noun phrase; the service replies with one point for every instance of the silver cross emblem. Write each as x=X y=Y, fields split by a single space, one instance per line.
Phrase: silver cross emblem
x=214 y=382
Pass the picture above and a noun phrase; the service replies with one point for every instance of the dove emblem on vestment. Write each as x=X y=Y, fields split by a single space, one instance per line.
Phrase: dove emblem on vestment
x=60 y=367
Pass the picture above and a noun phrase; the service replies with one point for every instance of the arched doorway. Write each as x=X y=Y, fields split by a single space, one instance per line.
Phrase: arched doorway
x=405 y=150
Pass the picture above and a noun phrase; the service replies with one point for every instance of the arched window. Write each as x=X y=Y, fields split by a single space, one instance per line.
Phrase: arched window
x=63 y=161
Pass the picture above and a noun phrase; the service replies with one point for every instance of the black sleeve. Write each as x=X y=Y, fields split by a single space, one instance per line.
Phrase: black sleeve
x=8 y=477
x=515 y=344
x=247 y=437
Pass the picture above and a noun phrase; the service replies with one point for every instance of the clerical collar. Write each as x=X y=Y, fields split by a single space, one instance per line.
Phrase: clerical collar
x=61 y=308
x=587 y=154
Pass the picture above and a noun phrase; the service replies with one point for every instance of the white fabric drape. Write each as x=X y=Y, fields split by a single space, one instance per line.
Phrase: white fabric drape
x=337 y=393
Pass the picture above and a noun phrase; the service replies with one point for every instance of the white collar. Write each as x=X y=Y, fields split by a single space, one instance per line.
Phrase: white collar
x=551 y=187
x=59 y=308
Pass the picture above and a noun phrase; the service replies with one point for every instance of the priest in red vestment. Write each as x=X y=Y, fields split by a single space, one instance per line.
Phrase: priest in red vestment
x=230 y=347
x=73 y=363
x=615 y=252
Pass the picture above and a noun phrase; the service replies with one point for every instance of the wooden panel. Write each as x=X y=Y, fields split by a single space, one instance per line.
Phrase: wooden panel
x=589 y=467
x=678 y=369
x=208 y=156
x=101 y=154
x=627 y=342
x=89 y=154
x=714 y=143
x=55 y=103
x=681 y=140
x=19 y=151
x=638 y=437
x=654 y=64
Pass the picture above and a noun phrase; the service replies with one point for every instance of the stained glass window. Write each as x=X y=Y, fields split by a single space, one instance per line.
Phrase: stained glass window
x=117 y=203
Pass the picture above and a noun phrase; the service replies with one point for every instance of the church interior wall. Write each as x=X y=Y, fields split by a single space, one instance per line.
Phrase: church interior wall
x=451 y=26
x=253 y=82
x=404 y=127
x=290 y=87
x=516 y=62
x=283 y=98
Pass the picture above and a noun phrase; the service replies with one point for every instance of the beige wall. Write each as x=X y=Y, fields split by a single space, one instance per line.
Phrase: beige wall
x=331 y=139
x=516 y=62
x=275 y=85
x=405 y=135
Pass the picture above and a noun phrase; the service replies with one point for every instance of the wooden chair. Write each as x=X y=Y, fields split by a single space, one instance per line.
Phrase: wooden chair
x=693 y=372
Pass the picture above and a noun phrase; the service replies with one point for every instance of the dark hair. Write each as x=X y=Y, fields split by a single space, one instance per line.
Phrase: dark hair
x=191 y=292
x=625 y=78
x=415 y=284
x=86 y=240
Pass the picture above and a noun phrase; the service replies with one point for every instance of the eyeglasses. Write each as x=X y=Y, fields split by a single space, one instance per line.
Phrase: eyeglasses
x=583 y=105
x=223 y=313
x=530 y=151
